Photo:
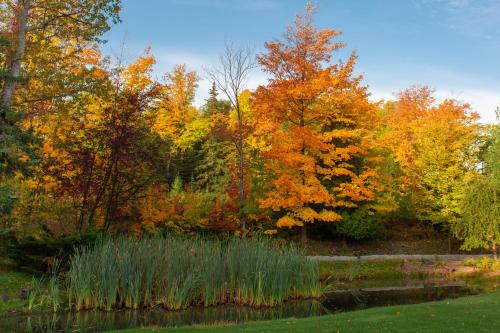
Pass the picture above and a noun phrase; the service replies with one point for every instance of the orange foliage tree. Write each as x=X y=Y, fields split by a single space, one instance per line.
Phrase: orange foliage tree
x=316 y=119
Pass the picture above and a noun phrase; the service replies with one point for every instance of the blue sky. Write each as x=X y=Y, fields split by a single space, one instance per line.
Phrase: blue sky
x=450 y=45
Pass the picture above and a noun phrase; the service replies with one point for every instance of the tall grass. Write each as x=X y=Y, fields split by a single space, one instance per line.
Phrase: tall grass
x=176 y=273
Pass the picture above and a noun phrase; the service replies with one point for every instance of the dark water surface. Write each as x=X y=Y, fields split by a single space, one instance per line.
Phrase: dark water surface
x=96 y=321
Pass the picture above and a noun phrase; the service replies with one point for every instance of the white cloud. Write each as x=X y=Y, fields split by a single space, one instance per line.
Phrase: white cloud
x=477 y=18
x=482 y=101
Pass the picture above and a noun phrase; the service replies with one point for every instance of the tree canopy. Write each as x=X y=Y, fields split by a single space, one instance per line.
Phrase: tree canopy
x=94 y=143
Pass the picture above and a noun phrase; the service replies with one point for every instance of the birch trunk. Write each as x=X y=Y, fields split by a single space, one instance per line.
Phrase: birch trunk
x=14 y=67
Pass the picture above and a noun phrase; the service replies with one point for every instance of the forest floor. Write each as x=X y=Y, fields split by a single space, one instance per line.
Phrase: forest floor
x=399 y=237
x=468 y=314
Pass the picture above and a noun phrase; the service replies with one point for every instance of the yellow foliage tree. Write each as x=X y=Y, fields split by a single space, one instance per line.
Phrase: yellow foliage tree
x=435 y=145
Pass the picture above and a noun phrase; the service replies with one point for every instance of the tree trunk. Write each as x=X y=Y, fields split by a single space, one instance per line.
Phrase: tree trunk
x=111 y=202
x=100 y=193
x=242 y=186
x=81 y=218
x=494 y=248
x=14 y=66
x=241 y=167
x=303 y=234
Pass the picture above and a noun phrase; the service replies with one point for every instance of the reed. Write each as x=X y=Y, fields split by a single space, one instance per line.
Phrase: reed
x=176 y=273
x=36 y=291
x=53 y=291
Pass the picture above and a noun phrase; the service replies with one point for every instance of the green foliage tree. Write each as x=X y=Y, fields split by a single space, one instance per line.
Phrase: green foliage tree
x=479 y=226
x=490 y=154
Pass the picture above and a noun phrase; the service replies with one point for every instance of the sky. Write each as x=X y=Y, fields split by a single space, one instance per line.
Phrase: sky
x=451 y=45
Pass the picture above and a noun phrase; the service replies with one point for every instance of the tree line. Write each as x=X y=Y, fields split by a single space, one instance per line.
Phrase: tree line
x=93 y=143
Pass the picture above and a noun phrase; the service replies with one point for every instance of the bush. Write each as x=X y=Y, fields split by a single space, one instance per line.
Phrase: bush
x=36 y=255
x=6 y=200
x=361 y=224
x=483 y=263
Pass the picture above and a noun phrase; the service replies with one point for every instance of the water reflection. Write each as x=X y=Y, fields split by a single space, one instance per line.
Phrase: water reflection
x=94 y=321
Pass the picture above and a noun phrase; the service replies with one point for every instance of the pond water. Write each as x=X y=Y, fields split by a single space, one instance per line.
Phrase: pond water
x=332 y=302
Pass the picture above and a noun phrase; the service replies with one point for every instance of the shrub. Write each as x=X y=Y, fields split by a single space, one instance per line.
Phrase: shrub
x=361 y=224
x=7 y=200
x=37 y=255
x=483 y=263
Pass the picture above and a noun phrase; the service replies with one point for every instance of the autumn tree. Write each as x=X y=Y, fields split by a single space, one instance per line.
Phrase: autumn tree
x=42 y=40
x=39 y=38
x=99 y=154
x=13 y=143
x=435 y=145
x=15 y=57
x=316 y=117
x=176 y=119
x=176 y=104
x=39 y=26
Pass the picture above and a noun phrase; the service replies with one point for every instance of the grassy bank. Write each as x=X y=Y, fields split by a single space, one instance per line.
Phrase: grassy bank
x=21 y=292
x=469 y=314
x=11 y=283
x=176 y=273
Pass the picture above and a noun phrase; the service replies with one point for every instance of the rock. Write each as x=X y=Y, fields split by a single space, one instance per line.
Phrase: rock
x=427 y=262
x=465 y=270
x=24 y=293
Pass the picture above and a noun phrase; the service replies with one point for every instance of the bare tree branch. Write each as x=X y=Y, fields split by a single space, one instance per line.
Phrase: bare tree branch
x=230 y=76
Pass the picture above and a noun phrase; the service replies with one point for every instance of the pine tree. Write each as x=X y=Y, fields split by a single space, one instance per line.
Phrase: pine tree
x=213 y=105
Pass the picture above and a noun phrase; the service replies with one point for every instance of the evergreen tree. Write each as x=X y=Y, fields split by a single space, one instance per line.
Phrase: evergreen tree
x=213 y=105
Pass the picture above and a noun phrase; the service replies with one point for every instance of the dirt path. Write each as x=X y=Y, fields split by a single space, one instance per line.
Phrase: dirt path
x=442 y=257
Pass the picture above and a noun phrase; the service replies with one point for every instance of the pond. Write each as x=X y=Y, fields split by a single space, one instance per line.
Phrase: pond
x=332 y=302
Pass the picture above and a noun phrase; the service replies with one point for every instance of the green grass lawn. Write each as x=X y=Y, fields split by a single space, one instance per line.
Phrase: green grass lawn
x=473 y=314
